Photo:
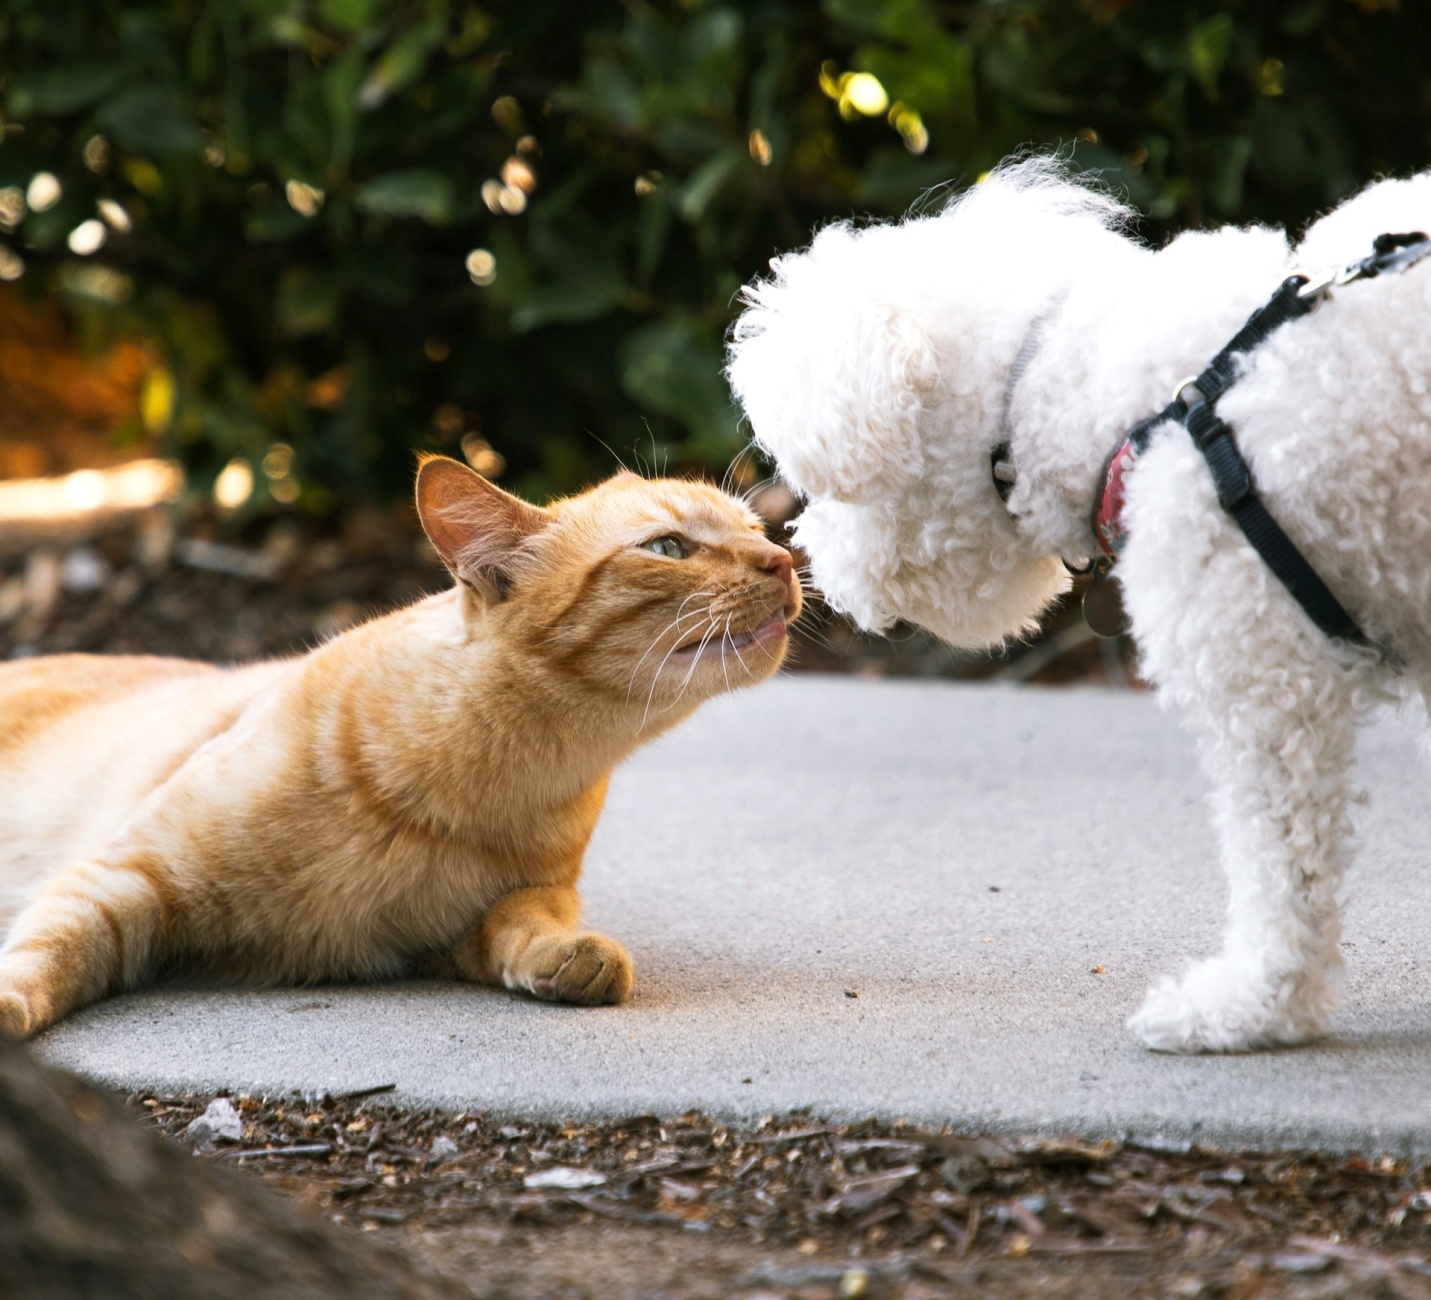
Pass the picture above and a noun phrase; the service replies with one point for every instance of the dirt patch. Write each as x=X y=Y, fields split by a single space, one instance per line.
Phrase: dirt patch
x=690 y=1207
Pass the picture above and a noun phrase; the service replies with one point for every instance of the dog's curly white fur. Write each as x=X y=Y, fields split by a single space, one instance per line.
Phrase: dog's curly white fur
x=875 y=367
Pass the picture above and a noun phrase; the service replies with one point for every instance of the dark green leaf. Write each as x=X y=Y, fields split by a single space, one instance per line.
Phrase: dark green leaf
x=1208 y=44
x=340 y=94
x=350 y=15
x=674 y=367
x=150 y=120
x=427 y=195
x=61 y=90
x=275 y=222
x=308 y=300
x=1230 y=159
x=576 y=299
x=698 y=193
x=401 y=63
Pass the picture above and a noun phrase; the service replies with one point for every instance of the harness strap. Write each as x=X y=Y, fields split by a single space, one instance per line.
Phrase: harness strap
x=1194 y=408
x=1288 y=303
x=1000 y=465
x=1237 y=495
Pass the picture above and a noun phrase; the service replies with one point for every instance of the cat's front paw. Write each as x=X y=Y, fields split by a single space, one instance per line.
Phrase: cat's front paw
x=1226 y=1005
x=588 y=969
x=17 y=1020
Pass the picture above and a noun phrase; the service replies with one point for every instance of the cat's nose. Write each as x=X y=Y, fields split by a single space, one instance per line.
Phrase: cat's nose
x=777 y=561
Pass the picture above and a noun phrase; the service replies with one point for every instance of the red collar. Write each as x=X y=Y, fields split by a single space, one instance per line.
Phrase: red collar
x=1108 y=526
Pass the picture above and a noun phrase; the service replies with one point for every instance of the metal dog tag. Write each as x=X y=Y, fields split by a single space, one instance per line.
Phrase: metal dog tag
x=1103 y=606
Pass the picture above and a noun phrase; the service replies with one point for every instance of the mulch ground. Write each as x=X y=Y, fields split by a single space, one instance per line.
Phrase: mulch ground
x=795 y=1207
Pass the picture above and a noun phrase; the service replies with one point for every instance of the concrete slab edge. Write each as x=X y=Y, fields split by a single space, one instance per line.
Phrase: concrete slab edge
x=1152 y=1131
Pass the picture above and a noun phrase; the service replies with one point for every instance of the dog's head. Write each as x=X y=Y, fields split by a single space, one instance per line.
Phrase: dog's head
x=873 y=367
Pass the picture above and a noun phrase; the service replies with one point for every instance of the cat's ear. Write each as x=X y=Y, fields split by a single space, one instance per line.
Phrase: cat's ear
x=475 y=527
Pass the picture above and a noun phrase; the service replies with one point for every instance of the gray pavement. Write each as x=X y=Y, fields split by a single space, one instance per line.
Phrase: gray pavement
x=820 y=837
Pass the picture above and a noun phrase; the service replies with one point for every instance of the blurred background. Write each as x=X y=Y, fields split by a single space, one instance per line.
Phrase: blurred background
x=256 y=254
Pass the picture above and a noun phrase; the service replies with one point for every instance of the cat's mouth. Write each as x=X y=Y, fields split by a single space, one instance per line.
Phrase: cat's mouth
x=771 y=630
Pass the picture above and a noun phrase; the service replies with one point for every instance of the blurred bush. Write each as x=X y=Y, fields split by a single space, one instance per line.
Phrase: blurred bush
x=345 y=229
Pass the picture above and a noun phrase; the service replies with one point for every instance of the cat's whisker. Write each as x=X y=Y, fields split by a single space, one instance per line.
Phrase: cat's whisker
x=675 y=645
x=733 y=469
x=674 y=623
x=680 y=616
x=765 y=650
x=725 y=637
x=695 y=661
x=747 y=495
x=609 y=448
x=808 y=626
x=651 y=694
x=736 y=649
x=823 y=641
x=655 y=680
x=807 y=586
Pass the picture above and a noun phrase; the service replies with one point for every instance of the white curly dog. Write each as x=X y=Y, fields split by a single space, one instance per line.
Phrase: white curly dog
x=886 y=365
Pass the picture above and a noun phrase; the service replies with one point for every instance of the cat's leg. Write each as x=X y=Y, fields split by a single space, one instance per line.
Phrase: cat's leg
x=1276 y=729
x=91 y=932
x=528 y=940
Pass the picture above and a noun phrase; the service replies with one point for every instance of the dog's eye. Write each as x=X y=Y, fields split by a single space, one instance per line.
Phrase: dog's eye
x=671 y=547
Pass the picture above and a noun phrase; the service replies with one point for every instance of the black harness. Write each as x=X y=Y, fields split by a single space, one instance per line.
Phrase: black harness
x=1194 y=406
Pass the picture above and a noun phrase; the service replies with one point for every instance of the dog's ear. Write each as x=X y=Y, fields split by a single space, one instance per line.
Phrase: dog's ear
x=833 y=375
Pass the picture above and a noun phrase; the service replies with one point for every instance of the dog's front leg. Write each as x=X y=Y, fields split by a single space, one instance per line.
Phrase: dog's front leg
x=1276 y=734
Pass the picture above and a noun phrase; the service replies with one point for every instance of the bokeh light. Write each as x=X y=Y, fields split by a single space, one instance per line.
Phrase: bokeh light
x=864 y=93
x=88 y=237
x=115 y=215
x=304 y=199
x=234 y=484
x=12 y=207
x=43 y=192
x=481 y=266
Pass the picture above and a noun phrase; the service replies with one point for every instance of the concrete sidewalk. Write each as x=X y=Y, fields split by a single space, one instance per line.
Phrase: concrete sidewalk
x=960 y=857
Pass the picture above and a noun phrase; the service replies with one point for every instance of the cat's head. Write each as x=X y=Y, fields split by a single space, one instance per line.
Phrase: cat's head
x=650 y=592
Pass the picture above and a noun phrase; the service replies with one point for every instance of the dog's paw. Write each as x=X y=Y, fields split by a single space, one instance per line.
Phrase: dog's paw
x=1224 y=1005
x=588 y=969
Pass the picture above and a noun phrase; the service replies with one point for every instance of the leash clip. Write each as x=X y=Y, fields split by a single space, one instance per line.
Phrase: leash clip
x=1368 y=268
x=1389 y=253
x=1317 y=289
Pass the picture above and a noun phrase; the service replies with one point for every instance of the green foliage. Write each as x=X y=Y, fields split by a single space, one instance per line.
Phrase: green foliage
x=361 y=227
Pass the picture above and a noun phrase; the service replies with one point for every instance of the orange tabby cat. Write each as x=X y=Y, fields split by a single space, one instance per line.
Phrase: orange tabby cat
x=415 y=794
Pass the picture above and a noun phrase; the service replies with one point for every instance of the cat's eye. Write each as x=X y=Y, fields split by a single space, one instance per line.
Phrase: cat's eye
x=671 y=547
